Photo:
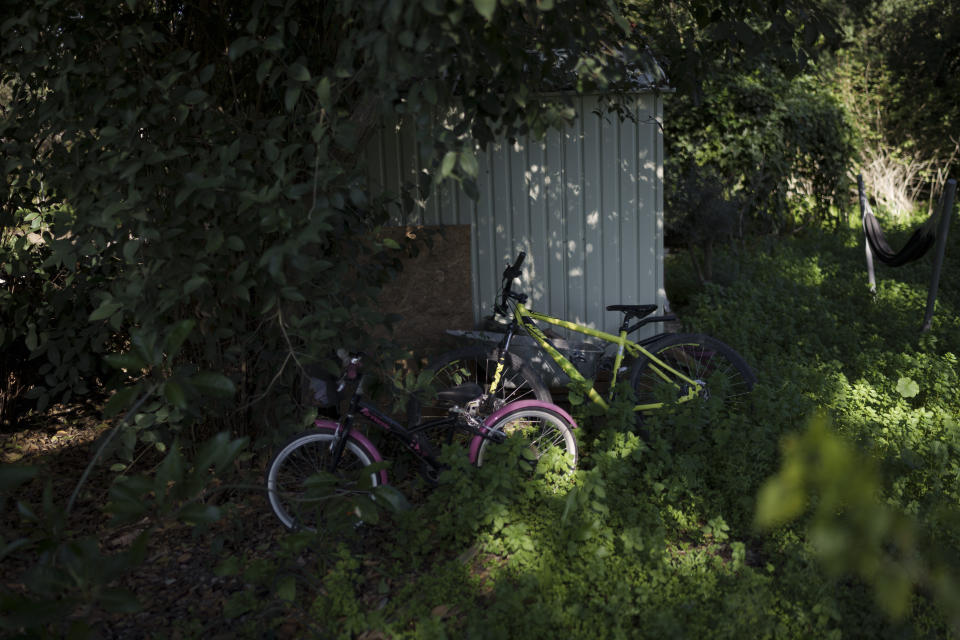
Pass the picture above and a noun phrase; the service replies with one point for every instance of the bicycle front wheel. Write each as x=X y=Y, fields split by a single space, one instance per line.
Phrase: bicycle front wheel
x=714 y=367
x=477 y=365
x=304 y=456
x=544 y=430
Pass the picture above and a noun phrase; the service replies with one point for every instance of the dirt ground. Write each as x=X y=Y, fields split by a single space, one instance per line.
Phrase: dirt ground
x=179 y=590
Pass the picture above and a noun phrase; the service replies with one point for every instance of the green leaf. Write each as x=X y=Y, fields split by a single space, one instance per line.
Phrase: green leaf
x=32 y=341
x=13 y=475
x=390 y=243
x=781 y=499
x=449 y=162
x=173 y=392
x=287 y=588
x=366 y=509
x=238 y=604
x=230 y=451
x=193 y=284
x=290 y=293
x=219 y=451
x=290 y=98
x=213 y=384
x=20 y=543
x=106 y=309
x=195 y=96
x=392 y=497
x=323 y=93
x=434 y=7
x=468 y=162
x=298 y=72
x=120 y=400
x=263 y=69
x=273 y=43
x=907 y=388
x=129 y=361
x=485 y=8
x=144 y=344
x=136 y=554
x=206 y=74
x=229 y=566
x=130 y=250
x=178 y=333
x=240 y=46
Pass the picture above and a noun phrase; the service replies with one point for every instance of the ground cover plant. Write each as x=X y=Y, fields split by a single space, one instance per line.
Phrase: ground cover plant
x=696 y=523
x=767 y=523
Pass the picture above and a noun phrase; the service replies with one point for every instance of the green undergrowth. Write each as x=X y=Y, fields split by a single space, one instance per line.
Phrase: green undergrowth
x=658 y=534
x=828 y=506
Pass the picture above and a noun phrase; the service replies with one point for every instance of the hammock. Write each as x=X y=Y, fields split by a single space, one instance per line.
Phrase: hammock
x=934 y=230
x=919 y=243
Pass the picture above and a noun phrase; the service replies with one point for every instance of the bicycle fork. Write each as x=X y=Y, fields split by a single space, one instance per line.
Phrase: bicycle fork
x=502 y=359
x=339 y=442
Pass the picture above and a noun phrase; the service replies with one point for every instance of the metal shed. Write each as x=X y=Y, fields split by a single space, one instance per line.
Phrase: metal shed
x=585 y=203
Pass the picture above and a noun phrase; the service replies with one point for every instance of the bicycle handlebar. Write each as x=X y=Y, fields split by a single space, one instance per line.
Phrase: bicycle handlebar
x=511 y=272
x=516 y=265
x=351 y=369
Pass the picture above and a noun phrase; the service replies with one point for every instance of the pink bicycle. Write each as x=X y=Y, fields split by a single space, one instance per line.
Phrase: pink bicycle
x=336 y=452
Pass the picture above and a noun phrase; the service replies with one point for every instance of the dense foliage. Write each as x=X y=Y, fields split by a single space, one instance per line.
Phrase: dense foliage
x=676 y=528
x=895 y=74
x=172 y=169
x=762 y=153
x=660 y=536
x=185 y=224
x=699 y=523
x=756 y=139
x=915 y=47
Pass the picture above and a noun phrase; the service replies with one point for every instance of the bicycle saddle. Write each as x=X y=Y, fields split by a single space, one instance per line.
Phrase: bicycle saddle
x=461 y=394
x=638 y=310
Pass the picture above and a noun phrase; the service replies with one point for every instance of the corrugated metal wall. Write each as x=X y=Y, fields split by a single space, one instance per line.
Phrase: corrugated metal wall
x=586 y=204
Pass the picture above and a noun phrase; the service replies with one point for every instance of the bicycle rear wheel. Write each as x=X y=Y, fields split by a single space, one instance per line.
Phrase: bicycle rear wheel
x=544 y=429
x=719 y=371
x=304 y=456
x=478 y=364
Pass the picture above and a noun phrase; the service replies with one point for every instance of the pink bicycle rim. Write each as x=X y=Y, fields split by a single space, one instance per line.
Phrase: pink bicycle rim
x=513 y=406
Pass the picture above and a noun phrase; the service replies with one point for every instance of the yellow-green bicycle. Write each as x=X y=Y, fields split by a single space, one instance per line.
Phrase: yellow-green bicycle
x=664 y=369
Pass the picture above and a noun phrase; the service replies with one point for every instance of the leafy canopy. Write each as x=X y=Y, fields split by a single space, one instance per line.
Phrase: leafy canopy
x=190 y=175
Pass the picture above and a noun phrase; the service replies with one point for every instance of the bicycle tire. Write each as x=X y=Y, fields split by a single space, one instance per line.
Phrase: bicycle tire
x=304 y=455
x=477 y=364
x=715 y=365
x=548 y=429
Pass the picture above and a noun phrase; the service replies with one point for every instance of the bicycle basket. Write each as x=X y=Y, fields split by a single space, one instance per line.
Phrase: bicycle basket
x=320 y=388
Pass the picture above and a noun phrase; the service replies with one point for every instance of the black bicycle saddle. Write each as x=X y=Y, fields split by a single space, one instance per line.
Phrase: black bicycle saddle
x=461 y=394
x=638 y=310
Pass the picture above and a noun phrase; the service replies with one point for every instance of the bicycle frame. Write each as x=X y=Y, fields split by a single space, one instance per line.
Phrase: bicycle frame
x=408 y=437
x=526 y=319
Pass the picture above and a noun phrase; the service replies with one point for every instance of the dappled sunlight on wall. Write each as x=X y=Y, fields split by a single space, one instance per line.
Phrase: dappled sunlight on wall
x=584 y=203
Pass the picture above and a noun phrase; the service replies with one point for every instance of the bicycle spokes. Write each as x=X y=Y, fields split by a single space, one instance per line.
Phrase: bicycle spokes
x=542 y=442
x=709 y=374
